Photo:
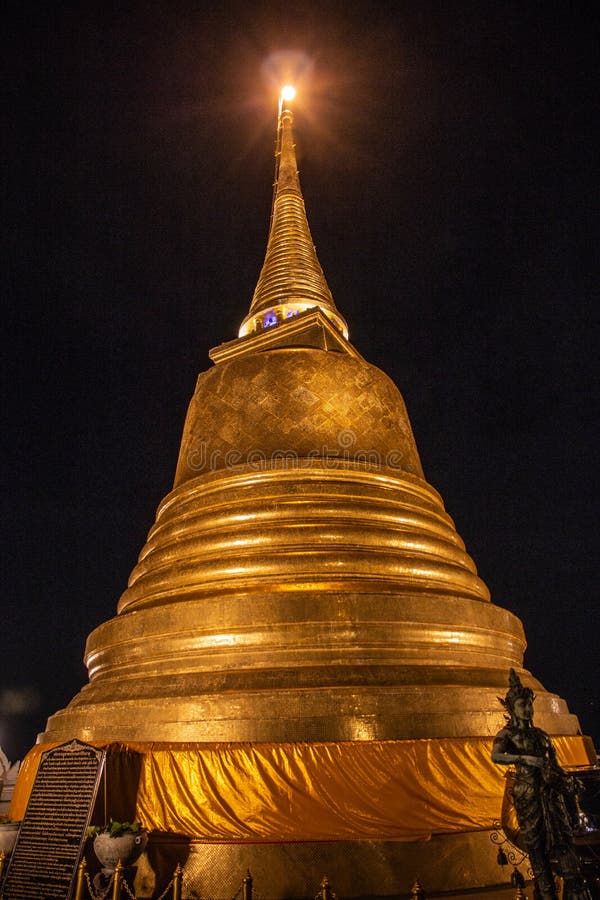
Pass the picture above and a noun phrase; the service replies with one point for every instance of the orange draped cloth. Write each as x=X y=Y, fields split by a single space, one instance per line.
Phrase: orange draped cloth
x=362 y=790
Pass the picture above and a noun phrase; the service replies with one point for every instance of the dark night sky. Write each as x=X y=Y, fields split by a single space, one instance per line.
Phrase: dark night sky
x=448 y=166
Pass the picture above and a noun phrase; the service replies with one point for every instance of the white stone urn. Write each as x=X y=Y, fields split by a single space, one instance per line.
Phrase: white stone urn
x=8 y=835
x=127 y=847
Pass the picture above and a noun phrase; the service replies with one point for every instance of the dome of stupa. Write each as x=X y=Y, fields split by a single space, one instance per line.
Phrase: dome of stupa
x=295 y=403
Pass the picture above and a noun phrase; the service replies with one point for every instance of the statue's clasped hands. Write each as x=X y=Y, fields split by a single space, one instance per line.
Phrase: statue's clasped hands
x=537 y=761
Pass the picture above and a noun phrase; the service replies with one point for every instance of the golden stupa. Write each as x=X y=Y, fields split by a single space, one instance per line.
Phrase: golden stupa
x=305 y=656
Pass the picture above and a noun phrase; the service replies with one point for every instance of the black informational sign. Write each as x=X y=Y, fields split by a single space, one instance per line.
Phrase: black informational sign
x=43 y=864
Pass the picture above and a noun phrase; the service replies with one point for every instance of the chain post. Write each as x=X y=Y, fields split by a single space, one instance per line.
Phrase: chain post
x=247 y=886
x=118 y=876
x=177 y=880
x=325 y=891
x=81 y=873
x=417 y=892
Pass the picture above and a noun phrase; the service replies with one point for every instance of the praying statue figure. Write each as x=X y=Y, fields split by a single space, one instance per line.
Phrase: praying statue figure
x=544 y=796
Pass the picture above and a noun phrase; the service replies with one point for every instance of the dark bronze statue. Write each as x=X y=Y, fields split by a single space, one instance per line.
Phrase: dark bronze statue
x=544 y=796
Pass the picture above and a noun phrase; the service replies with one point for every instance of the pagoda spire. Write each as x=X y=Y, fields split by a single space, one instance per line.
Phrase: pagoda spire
x=291 y=280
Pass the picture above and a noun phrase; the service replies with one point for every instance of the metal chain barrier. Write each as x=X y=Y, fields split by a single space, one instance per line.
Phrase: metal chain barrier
x=128 y=889
x=168 y=888
x=247 y=892
x=123 y=885
x=92 y=892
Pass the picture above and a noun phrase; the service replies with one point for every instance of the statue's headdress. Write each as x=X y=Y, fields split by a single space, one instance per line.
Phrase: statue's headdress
x=516 y=691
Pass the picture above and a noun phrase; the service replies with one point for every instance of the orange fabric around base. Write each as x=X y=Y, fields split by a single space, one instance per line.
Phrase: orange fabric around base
x=363 y=790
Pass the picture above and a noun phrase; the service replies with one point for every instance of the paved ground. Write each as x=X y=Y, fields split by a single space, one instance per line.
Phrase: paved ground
x=495 y=893
x=504 y=893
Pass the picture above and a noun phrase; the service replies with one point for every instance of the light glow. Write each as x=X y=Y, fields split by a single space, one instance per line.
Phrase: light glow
x=288 y=92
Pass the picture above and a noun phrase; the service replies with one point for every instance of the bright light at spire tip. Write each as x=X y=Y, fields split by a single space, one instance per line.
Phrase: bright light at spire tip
x=288 y=92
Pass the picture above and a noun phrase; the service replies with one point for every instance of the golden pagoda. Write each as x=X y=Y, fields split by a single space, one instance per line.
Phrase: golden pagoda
x=305 y=657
